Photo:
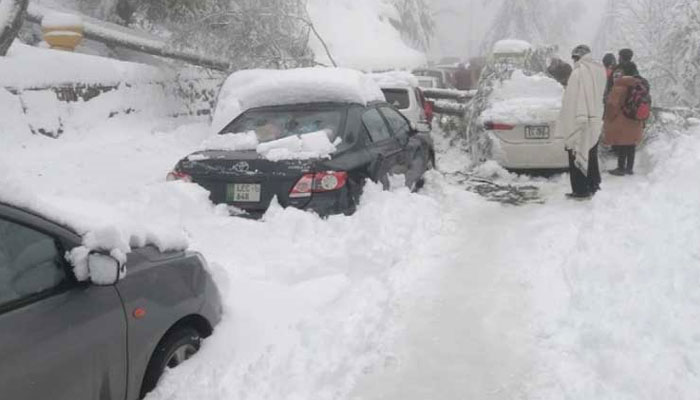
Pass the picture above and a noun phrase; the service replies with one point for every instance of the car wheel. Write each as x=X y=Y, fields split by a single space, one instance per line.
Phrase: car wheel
x=429 y=165
x=176 y=347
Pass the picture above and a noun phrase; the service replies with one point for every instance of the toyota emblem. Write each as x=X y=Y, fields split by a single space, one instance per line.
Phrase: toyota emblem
x=241 y=167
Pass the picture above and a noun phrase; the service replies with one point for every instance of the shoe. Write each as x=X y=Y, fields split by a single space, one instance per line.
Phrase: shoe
x=618 y=172
x=579 y=196
x=629 y=172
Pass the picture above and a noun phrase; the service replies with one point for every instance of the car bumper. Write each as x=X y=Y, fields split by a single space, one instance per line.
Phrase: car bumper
x=323 y=204
x=536 y=155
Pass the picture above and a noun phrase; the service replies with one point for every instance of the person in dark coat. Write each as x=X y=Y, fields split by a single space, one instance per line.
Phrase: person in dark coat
x=463 y=79
x=610 y=63
x=560 y=70
x=621 y=132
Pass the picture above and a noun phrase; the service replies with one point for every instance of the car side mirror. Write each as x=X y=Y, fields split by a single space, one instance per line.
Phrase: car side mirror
x=104 y=270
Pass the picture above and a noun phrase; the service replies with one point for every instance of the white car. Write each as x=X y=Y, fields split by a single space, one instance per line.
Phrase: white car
x=402 y=91
x=427 y=82
x=516 y=124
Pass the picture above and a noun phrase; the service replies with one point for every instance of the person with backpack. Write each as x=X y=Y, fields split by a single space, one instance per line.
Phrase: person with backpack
x=626 y=109
x=581 y=120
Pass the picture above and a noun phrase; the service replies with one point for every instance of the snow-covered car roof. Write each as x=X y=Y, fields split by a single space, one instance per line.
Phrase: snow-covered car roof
x=248 y=89
x=395 y=80
x=511 y=46
x=524 y=99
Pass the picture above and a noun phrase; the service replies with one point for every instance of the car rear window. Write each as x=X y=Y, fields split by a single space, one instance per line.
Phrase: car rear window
x=270 y=125
x=397 y=98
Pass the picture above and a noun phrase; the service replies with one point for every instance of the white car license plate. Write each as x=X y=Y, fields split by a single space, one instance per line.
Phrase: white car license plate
x=243 y=192
x=537 y=132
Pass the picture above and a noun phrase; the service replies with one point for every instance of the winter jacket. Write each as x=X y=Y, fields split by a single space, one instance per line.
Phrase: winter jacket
x=580 y=120
x=620 y=130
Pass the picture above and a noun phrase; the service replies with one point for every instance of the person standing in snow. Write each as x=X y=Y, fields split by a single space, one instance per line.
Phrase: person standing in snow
x=463 y=79
x=622 y=132
x=610 y=64
x=581 y=120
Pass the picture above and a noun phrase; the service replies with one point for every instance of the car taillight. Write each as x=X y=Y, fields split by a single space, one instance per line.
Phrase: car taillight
x=318 y=183
x=495 y=126
x=178 y=176
x=429 y=111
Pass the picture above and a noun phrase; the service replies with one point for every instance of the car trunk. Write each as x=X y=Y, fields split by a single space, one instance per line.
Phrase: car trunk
x=244 y=180
x=524 y=133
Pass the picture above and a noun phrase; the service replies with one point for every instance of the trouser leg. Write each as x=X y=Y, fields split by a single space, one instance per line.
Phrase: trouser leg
x=621 y=156
x=593 y=170
x=631 y=153
x=579 y=182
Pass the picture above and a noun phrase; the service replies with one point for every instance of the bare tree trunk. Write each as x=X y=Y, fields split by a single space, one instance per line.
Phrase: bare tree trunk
x=11 y=18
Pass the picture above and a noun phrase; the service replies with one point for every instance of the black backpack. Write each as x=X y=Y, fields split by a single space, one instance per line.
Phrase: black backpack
x=637 y=106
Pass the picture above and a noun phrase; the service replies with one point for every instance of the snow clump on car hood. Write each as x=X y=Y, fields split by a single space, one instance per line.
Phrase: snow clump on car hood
x=248 y=89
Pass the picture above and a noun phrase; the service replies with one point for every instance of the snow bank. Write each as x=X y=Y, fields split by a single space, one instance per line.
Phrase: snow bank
x=61 y=20
x=296 y=147
x=360 y=34
x=395 y=79
x=248 y=89
x=32 y=67
x=511 y=46
x=524 y=99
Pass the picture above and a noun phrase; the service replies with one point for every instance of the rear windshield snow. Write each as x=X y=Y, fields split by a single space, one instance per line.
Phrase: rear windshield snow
x=397 y=97
x=271 y=125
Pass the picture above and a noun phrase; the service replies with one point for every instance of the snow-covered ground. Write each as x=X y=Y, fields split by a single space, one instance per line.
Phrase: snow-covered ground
x=436 y=295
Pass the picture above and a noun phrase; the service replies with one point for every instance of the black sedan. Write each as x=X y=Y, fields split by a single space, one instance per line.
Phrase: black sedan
x=372 y=141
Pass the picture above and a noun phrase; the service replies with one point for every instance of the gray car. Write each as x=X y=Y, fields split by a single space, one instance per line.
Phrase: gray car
x=64 y=339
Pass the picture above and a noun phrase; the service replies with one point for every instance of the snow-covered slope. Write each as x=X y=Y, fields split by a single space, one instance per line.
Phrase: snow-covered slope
x=359 y=35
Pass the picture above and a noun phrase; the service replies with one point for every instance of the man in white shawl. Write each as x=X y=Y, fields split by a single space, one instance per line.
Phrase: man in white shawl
x=581 y=121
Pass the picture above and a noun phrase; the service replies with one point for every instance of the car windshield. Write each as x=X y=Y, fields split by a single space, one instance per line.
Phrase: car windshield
x=397 y=97
x=270 y=125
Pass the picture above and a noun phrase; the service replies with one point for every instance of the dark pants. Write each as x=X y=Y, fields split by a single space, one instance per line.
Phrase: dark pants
x=625 y=157
x=580 y=183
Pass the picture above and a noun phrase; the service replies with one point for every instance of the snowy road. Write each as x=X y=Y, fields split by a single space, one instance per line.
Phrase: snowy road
x=438 y=295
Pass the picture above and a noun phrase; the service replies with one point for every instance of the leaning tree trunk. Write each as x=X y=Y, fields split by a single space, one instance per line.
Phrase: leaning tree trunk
x=11 y=17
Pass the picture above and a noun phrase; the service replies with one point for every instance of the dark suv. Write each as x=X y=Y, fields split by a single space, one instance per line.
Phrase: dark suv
x=374 y=141
x=65 y=339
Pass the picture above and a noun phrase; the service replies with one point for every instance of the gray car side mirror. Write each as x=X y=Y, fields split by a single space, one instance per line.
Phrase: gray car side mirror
x=104 y=270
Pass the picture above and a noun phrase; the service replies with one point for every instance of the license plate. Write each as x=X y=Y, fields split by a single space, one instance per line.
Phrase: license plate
x=243 y=192
x=537 y=132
